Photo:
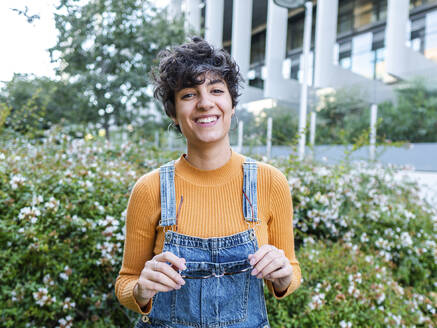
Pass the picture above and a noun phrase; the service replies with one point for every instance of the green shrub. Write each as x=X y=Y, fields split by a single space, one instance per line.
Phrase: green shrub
x=62 y=212
x=346 y=287
x=368 y=205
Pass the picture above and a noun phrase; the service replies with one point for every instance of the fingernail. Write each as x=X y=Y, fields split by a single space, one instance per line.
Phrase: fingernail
x=182 y=282
x=178 y=287
x=254 y=272
x=252 y=262
x=184 y=267
x=259 y=276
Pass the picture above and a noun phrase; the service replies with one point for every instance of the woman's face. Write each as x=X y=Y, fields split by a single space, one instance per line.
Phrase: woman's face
x=204 y=112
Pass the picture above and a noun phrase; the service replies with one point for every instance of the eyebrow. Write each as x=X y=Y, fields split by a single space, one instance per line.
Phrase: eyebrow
x=215 y=82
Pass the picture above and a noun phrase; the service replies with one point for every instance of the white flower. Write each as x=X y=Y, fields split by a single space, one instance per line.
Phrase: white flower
x=344 y=324
x=16 y=181
x=2 y=156
x=406 y=239
x=63 y=276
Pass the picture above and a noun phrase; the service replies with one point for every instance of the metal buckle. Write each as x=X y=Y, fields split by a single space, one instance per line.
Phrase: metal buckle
x=145 y=318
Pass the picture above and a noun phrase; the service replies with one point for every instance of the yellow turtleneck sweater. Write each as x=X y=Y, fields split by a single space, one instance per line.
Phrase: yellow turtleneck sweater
x=212 y=207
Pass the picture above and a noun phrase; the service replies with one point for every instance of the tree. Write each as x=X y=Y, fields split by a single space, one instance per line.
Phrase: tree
x=107 y=48
x=51 y=100
x=414 y=117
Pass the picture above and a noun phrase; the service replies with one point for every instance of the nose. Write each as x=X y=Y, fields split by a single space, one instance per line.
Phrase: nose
x=204 y=101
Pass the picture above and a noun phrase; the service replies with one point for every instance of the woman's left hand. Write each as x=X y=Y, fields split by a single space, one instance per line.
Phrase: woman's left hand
x=271 y=263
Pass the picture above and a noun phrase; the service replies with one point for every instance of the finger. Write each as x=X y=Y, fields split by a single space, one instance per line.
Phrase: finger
x=277 y=262
x=169 y=257
x=153 y=285
x=169 y=271
x=269 y=263
x=260 y=253
x=161 y=278
x=281 y=273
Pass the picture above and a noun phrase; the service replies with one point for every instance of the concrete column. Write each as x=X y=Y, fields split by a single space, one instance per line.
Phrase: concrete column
x=193 y=16
x=326 y=33
x=175 y=9
x=397 y=19
x=214 y=22
x=269 y=137
x=373 y=121
x=275 y=45
x=241 y=34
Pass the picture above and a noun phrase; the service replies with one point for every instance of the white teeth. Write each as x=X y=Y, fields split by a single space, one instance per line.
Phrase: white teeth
x=207 y=119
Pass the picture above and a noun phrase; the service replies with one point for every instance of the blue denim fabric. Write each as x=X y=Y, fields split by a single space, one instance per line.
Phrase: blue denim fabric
x=249 y=187
x=168 y=198
x=234 y=301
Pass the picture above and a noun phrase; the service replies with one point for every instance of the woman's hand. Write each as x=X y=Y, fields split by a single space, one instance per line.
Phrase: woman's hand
x=271 y=263
x=158 y=276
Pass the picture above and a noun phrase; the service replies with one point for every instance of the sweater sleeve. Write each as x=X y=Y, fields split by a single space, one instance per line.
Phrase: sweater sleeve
x=280 y=228
x=138 y=247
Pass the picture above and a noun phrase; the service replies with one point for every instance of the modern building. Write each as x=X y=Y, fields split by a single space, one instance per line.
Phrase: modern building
x=369 y=44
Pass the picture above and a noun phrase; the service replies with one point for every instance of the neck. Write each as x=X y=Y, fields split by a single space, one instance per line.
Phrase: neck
x=209 y=158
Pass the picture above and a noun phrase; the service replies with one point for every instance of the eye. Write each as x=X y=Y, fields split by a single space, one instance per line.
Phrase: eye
x=187 y=95
x=217 y=91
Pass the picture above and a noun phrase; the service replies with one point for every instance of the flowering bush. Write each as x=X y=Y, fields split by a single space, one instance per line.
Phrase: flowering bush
x=62 y=212
x=368 y=205
x=343 y=286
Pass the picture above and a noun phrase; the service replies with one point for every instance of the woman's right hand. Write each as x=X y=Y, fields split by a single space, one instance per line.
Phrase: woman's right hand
x=159 y=276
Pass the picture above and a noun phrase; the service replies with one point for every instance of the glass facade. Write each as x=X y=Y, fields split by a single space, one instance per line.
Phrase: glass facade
x=362 y=53
x=355 y=14
x=430 y=46
x=418 y=3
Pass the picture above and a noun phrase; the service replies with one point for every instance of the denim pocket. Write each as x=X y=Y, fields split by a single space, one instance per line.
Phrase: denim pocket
x=219 y=300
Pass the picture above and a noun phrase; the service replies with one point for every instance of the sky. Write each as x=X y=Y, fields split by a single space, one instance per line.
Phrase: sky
x=24 y=45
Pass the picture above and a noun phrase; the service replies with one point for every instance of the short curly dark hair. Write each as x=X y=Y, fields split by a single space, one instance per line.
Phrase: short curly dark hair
x=185 y=65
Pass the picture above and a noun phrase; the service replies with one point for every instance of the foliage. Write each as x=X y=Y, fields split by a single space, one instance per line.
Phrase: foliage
x=53 y=101
x=414 y=117
x=62 y=212
x=341 y=118
x=367 y=205
x=343 y=286
x=107 y=48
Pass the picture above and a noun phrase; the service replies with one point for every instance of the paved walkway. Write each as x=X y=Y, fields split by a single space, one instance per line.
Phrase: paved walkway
x=421 y=156
x=428 y=183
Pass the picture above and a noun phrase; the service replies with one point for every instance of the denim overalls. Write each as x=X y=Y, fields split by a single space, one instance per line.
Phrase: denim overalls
x=230 y=296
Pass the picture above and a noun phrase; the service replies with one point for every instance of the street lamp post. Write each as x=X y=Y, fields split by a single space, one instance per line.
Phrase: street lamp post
x=306 y=51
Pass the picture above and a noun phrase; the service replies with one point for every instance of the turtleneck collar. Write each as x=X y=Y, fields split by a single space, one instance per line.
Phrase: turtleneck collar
x=221 y=175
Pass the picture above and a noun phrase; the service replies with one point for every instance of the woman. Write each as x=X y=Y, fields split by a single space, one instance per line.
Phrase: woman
x=203 y=231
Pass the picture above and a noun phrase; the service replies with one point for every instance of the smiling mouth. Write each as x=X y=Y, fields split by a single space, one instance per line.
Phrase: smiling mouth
x=209 y=120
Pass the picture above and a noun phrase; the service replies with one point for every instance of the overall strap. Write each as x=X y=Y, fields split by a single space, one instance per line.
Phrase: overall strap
x=250 y=209
x=168 y=195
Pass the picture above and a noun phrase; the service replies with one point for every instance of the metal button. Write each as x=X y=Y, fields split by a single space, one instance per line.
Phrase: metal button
x=252 y=235
x=145 y=318
x=167 y=237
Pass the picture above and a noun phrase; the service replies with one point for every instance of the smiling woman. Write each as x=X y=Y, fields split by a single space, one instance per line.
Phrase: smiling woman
x=204 y=230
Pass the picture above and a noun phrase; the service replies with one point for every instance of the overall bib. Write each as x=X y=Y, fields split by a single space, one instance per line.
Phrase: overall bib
x=219 y=290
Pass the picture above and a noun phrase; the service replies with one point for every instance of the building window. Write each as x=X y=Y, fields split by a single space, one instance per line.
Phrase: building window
x=258 y=47
x=354 y=14
x=345 y=54
x=363 y=13
x=295 y=67
x=378 y=49
x=345 y=16
x=418 y=3
x=295 y=32
x=417 y=35
x=430 y=43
